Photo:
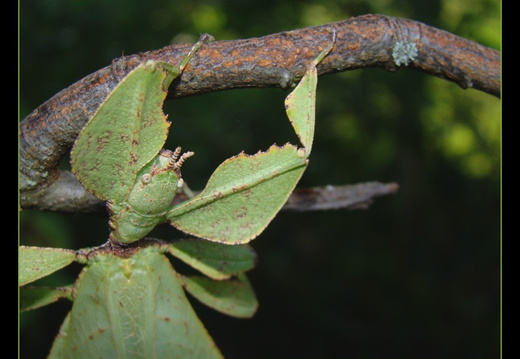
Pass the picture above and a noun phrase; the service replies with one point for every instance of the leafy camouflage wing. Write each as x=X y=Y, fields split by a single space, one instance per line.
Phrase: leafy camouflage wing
x=132 y=308
x=242 y=196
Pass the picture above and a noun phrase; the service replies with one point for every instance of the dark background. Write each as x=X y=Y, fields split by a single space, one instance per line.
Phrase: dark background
x=415 y=276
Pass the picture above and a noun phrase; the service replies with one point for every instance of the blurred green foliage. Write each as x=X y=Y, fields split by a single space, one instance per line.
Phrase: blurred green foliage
x=416 y=275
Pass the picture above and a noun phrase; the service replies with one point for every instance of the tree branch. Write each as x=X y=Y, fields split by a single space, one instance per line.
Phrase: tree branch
x=358 y=196
x=276 y=60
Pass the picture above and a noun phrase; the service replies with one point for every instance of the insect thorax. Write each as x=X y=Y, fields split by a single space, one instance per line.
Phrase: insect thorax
x=157 y=183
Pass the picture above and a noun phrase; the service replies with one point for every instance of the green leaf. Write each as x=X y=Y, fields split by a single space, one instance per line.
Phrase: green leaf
x=234 y=297
x=132 y=308
x=242 y=196
x=216 y=260
x=37 y=297
x=39 y=262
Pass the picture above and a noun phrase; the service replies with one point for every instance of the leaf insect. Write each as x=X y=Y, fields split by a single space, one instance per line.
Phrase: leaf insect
x=118 y=156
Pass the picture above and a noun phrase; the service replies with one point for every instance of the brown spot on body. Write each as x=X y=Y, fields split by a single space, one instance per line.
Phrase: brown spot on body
x=133 y=159
x=103 y=79
x=240 y=213
x=102 y=141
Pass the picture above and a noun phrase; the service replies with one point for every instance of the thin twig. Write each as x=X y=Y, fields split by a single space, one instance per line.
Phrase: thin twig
x=357 y=196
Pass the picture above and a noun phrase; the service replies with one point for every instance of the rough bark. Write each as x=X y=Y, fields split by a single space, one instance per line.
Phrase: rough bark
x=276 y=60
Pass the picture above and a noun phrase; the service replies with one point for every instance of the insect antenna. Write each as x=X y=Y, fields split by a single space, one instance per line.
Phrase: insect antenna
x=176 y=162
x=174 y=157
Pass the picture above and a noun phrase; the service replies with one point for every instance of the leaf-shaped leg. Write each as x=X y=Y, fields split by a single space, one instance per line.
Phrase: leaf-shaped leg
x=300 y=104
x=215 y=260
x=37 y=297
x=234 y=297
x=125 y=133
x=38 y=262
x=242 y=196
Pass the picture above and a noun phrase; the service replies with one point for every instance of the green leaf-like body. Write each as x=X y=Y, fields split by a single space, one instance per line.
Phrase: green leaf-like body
x=242 y=196
x=132 y=308
x=129 y=225
x=155 y=188
x=214 y=259
x=59 y=346
x=116 y=155
x=234 y=297
x=37 y=262
x=147 y=202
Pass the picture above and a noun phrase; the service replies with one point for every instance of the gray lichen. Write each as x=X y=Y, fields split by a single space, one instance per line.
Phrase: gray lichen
x=404 y=53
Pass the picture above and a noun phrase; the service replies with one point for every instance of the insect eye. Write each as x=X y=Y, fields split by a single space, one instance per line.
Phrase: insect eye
x=146 y=178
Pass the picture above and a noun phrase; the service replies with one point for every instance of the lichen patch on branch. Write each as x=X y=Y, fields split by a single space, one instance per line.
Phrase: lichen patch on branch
x=404 y=53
